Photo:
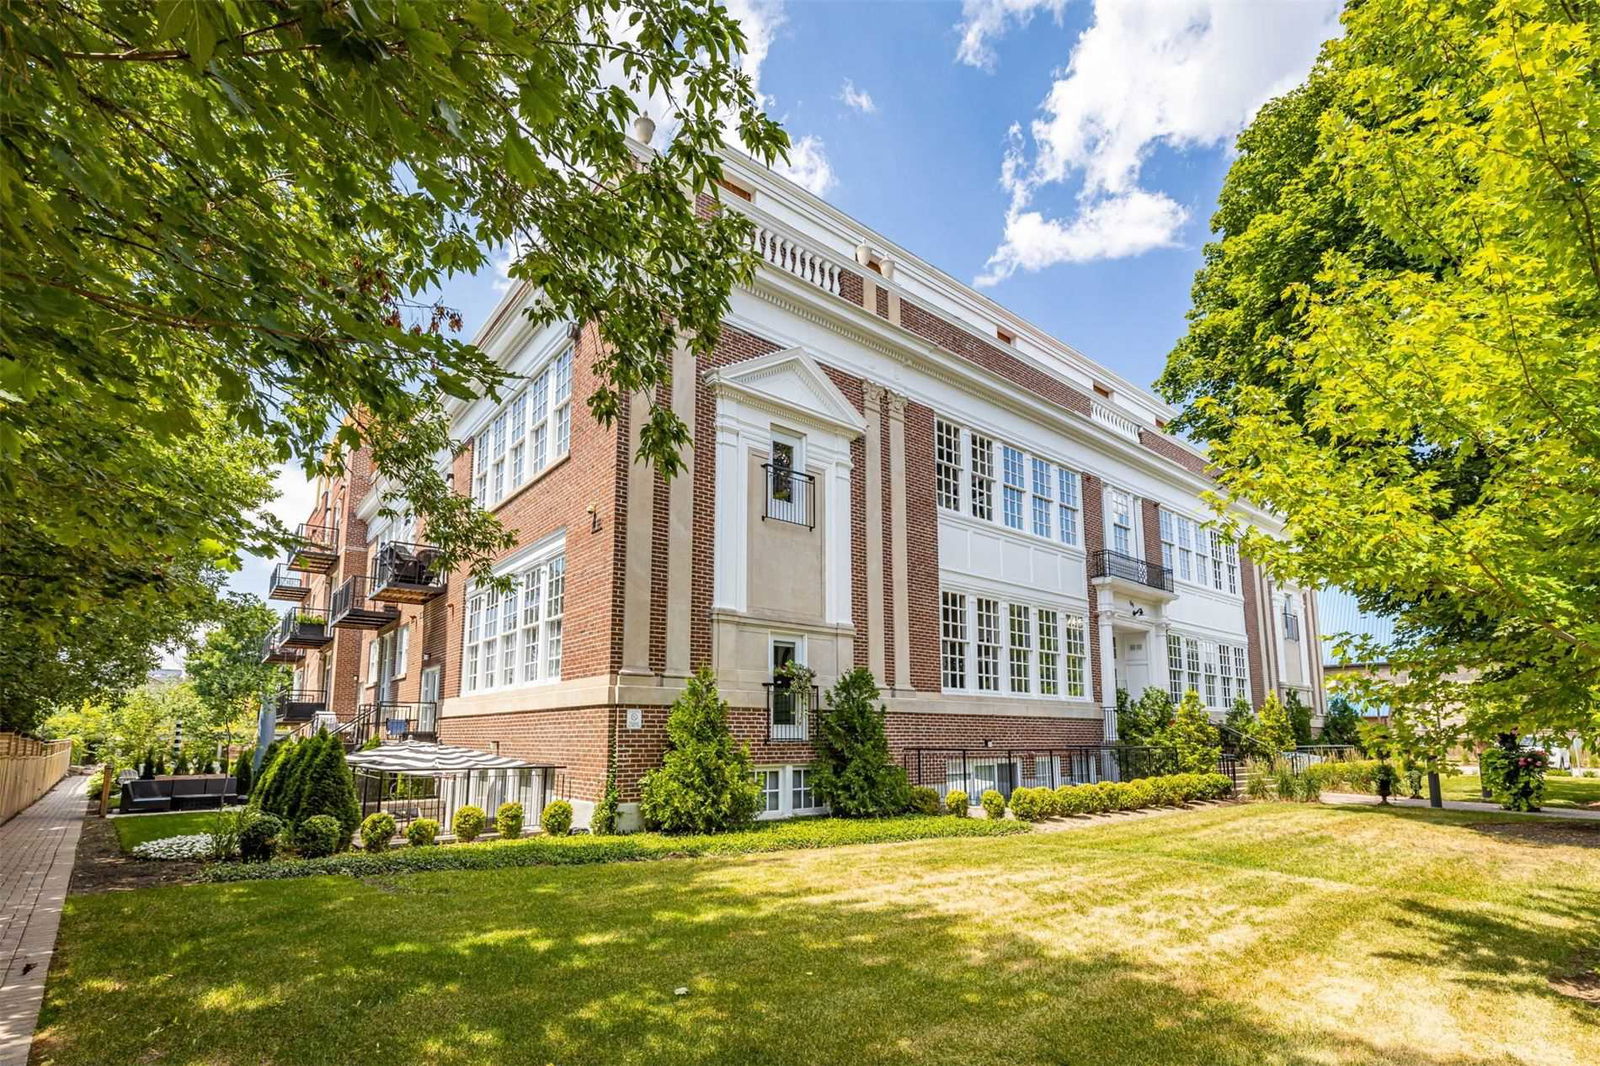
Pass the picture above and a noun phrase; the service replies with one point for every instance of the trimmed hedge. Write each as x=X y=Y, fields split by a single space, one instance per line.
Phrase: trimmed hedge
x=583 y=850
x=1170 y=790
x=956 y=803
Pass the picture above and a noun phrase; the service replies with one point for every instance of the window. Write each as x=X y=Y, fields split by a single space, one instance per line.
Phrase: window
x=1185 y=548
x=1076 y=659
x=1049 y=653
x=988 y=646
x=947 y=464
x=1225 y=673
x=1231 y=565
x=1042 y=504
x=771 y=782
x=801 y=798
x=372 y=663
x=1216 y=672
x=1122 y=522
x=516 y=639
x=1169 y=549
x=1216 y=560
x=982 y=478
x=1021 y=650
x=1175 y=667
x=402 y=649
x=953 y=644
x=1209 y=664
x=1197 y=553
x=1191 y=648
x=1291 y=619
x=1202 y=555
x=785 y=791
x=519 y=441
x=1014 y=486
x=1241 y=671
x=1067 y=507
x=786 y=494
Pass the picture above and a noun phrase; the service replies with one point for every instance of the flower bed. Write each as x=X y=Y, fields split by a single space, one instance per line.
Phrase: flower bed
x=582 y=850
x=191 y=847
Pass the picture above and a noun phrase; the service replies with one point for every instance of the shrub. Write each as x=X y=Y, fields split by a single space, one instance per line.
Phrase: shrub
x=469 y=822
x=1145 y=720
x=242 y=771
x=1273 y=728
x=925 y=800
x=225 y=829
x=258 y=836
x=377 y=831
x=993 y=804
x=1299 y=717
x=704 y=784
x=603 y=822
x=1514 y=775
x=1341 y=723
x=508 y=820
x=1196 y=739
x=422 y=832
x=557 y=818
x=330 y=788
x=1024 y=805
x=956 y=803
x=182 y=765
x=1384 y=780
x=1070 y=799
x=318 y=836
x=854 y=773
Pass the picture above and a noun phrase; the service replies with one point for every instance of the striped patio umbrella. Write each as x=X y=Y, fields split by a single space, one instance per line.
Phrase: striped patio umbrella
x=415 y=757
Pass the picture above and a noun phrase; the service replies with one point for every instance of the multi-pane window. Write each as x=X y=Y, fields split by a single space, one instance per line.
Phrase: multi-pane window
x=1191 y=658
x=1216 y=672
x=982 y=478
x=1169 y=546
x=1122 y=522
x=1225 y=673
x=988 y=645
x=1209 y=665
x=1241 y=671
x=1230 y=568
x=525 y=435
x=1043 y=490
x=1197 y=553
x=1216 y=560
x=947 y=464
x=1175 y=667
x=515 y=638
x=953 y=643
x=1202 y=555
x=801 y=797
x=1043 y=649
x=1014 y=486
x=1186 y=532
x=771 y=782
x=1021 y=650
x=1067 y=505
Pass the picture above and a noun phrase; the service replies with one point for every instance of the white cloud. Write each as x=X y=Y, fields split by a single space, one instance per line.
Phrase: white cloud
x=1180 y=74
x=859 y=99
x=808 y=165
x=982 y=20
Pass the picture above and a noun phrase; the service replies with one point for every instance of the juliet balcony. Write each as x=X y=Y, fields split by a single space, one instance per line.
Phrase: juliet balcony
x=407 y=573
x=353 y=606
x=791 y=496
x=288 y=585
x=790 y=710
x=1127 y=568
x=315 y=549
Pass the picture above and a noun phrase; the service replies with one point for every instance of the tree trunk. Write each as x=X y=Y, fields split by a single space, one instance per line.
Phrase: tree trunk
x=1434 y=797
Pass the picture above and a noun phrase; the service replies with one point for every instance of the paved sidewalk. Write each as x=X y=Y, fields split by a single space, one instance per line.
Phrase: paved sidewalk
x=36 y=852
x=1463 y=805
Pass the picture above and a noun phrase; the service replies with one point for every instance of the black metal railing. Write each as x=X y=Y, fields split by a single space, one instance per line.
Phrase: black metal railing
x=304 y=627
x=352 y=605
x=976 y=770
x=273 y=652
x=407 y=572
x=314 y=537
x=1291 y=626
x=392 y=721
x=791 y=710
x=287 y=584
x=791 y=496
x=1108 y=563
x=299 y=705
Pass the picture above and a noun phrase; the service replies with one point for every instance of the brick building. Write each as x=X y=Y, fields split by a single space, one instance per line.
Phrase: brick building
x=889 y=470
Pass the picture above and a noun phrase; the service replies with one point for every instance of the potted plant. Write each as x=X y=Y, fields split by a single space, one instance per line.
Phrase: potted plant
x=310 y=623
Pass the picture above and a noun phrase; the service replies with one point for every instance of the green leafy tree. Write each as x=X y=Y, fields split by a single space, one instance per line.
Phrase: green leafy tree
x=704 y=782
x=854 y=774
x=140 y=722
x=1341 y=722
x=226 y=668
x=1299 y=717
x=1391 y=347
x=1145 y=720
x=1239 y=727
x=225 y=221
x=1196 y=739
x=1273 y=727
x=330 y=788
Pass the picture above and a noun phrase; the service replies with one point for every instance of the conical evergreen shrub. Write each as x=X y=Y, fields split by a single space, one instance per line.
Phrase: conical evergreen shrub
x=305 y=754
x=241 y=771
x=1199 y=746
x=330 y=788
x=704 y=784
x=854 y=773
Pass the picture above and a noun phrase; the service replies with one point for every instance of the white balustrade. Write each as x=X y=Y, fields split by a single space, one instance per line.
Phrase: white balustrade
x=1115 y=420
x=787 y=254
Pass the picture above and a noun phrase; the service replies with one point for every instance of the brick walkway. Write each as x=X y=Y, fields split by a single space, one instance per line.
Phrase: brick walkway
x=36 y=852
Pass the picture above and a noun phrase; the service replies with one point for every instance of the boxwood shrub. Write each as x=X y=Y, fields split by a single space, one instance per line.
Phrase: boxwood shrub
x=956 y=803
x=925 y=800
x=508 y=820
x=993 y=804
x=422 y=832
x=557 y=818
x=258 y=837
x=469 y=823
x=1171 y=790
x=376 y=831
x=318 y=836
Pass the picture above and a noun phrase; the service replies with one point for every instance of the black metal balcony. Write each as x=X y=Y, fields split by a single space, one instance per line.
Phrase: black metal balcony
x=1291 y=626
x=273 y=652
x=288 y=585
x=394 y=721
x=791 y=496
x=1107 y=563
x=790 y=710
x=407 y=573
x=304 y=627
x=316 y=549
x=351 y=606
x=299 y=705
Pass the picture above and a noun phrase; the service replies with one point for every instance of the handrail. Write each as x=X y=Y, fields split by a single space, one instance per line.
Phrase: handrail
x=791 y=496
x=1108 y=563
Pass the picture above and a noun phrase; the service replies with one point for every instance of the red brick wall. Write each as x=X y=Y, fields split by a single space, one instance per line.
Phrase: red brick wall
x=1094 y=539
x=641 y=750
x=992 y=358
x=910 y=731
x=1151 y=518
x=851 y=389
x=573 y=738
x=922 y=549
x=1168 y=448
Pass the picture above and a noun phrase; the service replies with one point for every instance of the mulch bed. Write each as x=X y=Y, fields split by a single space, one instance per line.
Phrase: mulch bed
x=100 y=865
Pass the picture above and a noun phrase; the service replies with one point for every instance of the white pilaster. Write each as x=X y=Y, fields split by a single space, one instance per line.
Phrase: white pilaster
x=732 y=518
x=1108 y=663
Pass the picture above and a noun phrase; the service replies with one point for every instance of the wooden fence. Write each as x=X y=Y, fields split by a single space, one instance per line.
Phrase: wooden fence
x=28 y=769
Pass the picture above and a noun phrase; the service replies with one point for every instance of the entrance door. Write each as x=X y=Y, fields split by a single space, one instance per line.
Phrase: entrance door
x=428 y=714
x=388 y=686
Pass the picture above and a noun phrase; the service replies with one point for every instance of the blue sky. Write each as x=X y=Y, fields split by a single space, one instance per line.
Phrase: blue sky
x=1065 y=153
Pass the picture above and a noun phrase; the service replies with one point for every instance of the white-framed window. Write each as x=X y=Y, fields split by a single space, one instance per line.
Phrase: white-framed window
x=771 y=782
x=1197 y=553
x=1208 y=662
x=953 y=640
x=1186 y=531
x=788 y=457
x=982 y=452
x=402 y=649
x=1121 y=516
x=1241 y=671
x=1175 y=687
x=1067 y=489
x=515 y=639
x=785 y=791
x=1043 y=649
x=1191 y=659
x=1230 y=567
x=947 y=464
x=1043 y=497
x=1225 y=674
x=1169 y=543
x=1216 y=671
x=524 y=435
x=1013 y=485
x=372 y=662
x=1202 y=555
x=801 y=797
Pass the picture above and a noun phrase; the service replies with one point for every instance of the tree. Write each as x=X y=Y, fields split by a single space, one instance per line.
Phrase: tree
x=1273 y=728
x=140 y=723
x=704 y=782
x=1146 y=720
x=1195 y=737
x=242 y=767
x=1239 y=727
x=854 y=773
x=330 y=788
x=1391 y=346
x=226 y=220
x=1341 y=723
x=226 y=667
x=1299 y=717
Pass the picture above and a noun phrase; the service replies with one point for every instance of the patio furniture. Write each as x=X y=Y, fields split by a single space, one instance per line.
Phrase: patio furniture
x=194 y=792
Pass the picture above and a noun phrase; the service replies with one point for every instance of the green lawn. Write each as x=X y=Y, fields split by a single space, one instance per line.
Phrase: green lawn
x=1568 y=792
x=1238 y=935
x=138 y=828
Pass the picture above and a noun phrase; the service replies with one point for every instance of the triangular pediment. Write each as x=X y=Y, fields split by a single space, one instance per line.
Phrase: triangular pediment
x=790 y=381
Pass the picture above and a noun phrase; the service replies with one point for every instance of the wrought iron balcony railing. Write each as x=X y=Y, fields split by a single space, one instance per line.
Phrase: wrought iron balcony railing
x=273 y=652
x=304 y=627
x=288 y=585
x=790 y=710
x=1107 y=563
x=407 y=573
x=791 y=496
x=352 y=606
x=316 y=549
x=299 y=705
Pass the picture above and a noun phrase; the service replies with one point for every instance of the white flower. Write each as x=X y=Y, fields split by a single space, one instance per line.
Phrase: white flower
x=190 y=848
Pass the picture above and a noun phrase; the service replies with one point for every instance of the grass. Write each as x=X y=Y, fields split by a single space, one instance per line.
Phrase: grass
x=1559 y=792
x=1270 y=933
x=137 y=829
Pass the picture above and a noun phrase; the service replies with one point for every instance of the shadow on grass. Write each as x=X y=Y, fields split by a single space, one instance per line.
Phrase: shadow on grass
x=1530 y=829
x=583 y=966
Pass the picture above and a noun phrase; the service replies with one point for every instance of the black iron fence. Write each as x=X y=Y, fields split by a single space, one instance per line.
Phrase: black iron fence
x=791 y=495
x=976 y=770
x=1108 y=563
